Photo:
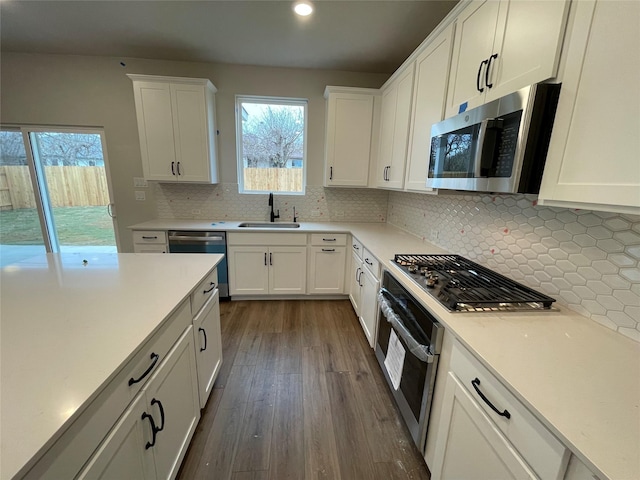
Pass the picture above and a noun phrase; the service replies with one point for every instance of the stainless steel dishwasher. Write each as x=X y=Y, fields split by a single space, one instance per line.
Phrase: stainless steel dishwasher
x=203 y=242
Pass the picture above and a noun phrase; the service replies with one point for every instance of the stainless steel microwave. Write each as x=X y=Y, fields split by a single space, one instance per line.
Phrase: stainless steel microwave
x=498 y=147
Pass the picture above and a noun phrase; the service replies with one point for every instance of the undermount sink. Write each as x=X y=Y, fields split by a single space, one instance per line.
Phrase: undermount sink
x=269 y=225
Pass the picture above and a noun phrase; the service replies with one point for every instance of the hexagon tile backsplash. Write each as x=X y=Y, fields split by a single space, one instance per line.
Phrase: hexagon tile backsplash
x=586 y=260
x=318 y=204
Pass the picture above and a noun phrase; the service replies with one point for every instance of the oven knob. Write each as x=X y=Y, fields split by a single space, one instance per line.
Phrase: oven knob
x=431 y=281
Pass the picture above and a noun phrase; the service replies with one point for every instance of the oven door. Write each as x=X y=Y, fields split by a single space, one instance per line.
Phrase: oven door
x=406 y=327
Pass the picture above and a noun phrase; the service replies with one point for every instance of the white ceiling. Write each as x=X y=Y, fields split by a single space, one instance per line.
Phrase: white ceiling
x=362 y=36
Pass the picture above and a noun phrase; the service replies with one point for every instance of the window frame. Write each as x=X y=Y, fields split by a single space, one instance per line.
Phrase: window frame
x=269 y=100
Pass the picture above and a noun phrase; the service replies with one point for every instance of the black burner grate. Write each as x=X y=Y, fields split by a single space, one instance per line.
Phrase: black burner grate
x=465 y=285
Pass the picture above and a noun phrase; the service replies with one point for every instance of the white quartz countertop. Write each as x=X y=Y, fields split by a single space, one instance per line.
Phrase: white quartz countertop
x=67 y=328
x=579 y=378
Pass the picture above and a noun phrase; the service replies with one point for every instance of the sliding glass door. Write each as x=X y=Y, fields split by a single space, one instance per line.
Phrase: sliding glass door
x=55 y=193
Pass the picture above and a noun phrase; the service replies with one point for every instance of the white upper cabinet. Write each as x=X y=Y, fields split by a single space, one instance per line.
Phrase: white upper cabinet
x=503 y=46
x=394 y=130
x=350 y=120
x=594 y=156
x=176 y=125
x=429 y=99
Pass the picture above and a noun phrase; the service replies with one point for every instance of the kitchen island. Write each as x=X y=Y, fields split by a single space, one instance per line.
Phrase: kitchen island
x=70 y=325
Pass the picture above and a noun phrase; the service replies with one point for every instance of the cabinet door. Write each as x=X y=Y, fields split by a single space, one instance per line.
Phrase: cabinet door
x=172 y=401
x=593 y=156
x=155 y=128
x=528 y=43
x=326 y=270
x=395 y=174
x=348 y=145
x=189 y=109
x=208 y=345
x=123 y=454
x=287 y=270
x=429 y=100
x=469 y=445
x=387 y=126
x=369 y=306
x=144 y=248
x=355 y=285
x=248 y=271
x=473 y=44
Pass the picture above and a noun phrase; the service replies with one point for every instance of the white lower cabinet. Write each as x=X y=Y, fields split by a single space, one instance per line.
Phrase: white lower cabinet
x=208 y=346
x=369 y=305
x=152 y=436
x=151 y=241
x=484 y=432
x=355 y=289
x=326 y=270
x=258 y=270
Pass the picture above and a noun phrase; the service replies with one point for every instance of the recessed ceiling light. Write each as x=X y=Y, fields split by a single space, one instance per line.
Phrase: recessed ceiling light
x=303 y=8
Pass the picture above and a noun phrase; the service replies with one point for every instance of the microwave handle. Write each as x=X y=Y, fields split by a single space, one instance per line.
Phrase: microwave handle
x=477 y=161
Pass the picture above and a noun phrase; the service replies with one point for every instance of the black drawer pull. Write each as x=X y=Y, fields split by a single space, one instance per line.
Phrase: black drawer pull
x=202 y=349
x=366 y=260
x=149 y=238
x=328 y=239
x=154 y=357
x=476 y=382
x=213 y=287
x=154 y=431
x=159 y=403
x=356 y=246
x=328 y=249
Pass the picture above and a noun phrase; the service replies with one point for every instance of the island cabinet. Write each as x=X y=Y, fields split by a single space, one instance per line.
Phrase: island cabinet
x=267 y=263
x=484 y=432
x=349 y=132
x=327 y=259
x=152 y=436
x=593 y=155
x=177 y=129
x=500 y=47
x=394 y=129
x=429 y=100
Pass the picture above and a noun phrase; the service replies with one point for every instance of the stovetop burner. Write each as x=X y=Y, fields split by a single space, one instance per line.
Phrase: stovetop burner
x=462 y=285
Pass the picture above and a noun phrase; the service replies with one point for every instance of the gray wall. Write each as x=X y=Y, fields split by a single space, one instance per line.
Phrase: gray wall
x=94 y=91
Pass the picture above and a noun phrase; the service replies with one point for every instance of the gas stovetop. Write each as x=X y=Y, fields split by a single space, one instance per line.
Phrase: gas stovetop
x=464 y=286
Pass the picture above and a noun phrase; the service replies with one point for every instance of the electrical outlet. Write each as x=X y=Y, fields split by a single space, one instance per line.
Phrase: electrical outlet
x=140 y=196
x=195 y=211
x=139 y=182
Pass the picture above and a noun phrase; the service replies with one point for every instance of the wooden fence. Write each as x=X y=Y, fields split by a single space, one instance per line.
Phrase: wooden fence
x=273 y=179
x=68 y=187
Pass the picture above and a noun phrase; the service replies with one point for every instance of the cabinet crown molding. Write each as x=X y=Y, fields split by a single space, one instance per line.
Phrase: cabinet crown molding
x=136 y=77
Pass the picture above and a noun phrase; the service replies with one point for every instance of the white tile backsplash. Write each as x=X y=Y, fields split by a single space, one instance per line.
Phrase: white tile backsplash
x=586 y=260
x=318 y=204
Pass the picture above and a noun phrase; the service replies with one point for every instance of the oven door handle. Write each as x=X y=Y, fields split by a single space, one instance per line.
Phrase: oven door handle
x=416 y=348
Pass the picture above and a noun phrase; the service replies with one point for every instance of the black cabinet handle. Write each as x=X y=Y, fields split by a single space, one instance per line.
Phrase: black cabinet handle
x=328 y=239
x=476 y=382
x=357 y=277
x=478 y=87
x=356 y=246
x=360 y=276
x=270 y=259
x=150 y=238
x=486 y=74
x=204 y=332
x=330 y=173
x=328 y=249
x=213 y=287
x=173 y=172
x=154 y=431
x=154 y=357
x=159 y=403
x=265 y=258
x=178 y=165
x=366 y=260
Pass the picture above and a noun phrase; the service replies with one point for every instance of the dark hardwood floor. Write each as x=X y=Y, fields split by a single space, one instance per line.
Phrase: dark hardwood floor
x=300 y=396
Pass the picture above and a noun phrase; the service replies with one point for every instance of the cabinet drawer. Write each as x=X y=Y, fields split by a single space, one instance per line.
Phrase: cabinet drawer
x=150 y=236
x=371 y=263
x=322 y=239
x=266 y=239
x=541 y=450
x=356 y=246
x=204 y=291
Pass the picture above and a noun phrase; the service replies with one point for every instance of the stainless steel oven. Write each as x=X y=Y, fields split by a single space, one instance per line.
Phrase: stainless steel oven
x=407 y=348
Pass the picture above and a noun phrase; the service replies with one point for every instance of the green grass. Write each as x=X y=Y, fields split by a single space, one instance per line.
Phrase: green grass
x=75 y=226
